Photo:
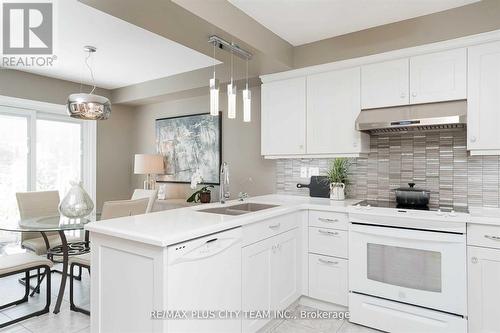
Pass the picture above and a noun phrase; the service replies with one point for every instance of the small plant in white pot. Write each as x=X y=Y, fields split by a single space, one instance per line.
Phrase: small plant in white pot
x=338 y=177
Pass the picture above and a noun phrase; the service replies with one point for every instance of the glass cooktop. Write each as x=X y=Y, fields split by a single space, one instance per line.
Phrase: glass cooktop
x=393 y=204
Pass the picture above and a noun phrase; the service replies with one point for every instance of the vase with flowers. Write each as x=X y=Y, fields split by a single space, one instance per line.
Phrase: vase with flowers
x=202 y=195
x=338 y=176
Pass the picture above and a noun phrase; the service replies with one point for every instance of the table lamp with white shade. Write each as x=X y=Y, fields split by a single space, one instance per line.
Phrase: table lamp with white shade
x=149 y=165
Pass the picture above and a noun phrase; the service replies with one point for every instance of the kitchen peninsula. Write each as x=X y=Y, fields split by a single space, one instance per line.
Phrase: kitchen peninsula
x=135 y=260
x=262 y=254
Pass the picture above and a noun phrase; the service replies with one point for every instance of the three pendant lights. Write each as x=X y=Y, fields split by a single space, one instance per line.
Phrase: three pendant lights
x=231 y=87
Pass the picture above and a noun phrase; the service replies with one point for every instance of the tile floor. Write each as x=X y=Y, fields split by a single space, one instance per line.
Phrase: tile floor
x=68 y=321
x=313 y=325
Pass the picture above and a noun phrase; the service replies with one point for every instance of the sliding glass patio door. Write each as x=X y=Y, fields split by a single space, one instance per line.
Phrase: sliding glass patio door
x=58 y=154
x=14 y=162
x=42 y=151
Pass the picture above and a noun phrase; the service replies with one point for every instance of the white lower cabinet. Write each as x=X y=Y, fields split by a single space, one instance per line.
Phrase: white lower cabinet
x=328 y=253
x=256 y=282
x=270 y=276
x=285 y=288
x=328 y=279
x=483 y=289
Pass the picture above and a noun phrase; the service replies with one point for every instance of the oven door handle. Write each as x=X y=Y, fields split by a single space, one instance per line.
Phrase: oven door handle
x=399 y=233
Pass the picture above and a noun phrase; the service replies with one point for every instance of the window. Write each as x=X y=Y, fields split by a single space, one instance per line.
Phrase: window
x=58 y=155
x=13 y=162
x=42 y=148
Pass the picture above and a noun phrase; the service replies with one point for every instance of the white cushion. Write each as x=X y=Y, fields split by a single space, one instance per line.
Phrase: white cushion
x=21 y=261
x=37 y=245
x=83 y=259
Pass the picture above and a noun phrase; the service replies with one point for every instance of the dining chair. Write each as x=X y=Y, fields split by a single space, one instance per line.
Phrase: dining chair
x=23 y=263
x=38 y=204
x=150 y=194
x=110 y=210
x=122 y=208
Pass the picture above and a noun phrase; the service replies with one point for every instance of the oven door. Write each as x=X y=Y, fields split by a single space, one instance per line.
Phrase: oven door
x=423 y=268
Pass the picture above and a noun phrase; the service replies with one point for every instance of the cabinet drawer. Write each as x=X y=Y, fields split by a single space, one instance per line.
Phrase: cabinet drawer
x=328 y=241
x=328 y=279
x=328 y=220
x=264 y=229
x=390 y=316
x=483 y=235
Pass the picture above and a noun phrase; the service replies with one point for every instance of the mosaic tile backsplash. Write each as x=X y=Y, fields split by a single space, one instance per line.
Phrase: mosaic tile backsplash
x=437 y=161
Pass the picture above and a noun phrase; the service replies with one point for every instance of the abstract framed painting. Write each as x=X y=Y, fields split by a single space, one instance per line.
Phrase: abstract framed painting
x=190 y=143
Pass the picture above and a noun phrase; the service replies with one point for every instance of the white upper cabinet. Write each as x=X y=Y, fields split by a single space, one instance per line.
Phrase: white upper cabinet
x=322 y=126
x=438 y=77
x=385 y=84
x=433 y=77
x=284 y=117
x=333 y=104
x=483 y=101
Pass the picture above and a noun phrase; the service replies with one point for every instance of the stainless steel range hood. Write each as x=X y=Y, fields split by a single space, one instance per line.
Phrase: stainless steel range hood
x=414 y=117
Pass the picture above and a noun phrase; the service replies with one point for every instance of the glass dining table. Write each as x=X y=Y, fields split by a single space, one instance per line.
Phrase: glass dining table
x=59 y=224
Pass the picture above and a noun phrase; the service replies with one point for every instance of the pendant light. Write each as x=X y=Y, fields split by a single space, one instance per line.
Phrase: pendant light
x=231 y=95
x=247 y=100
x=231 y=87
x=89 y=106
x=214 y=93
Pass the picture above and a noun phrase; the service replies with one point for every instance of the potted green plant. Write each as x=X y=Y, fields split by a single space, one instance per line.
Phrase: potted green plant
x=338 y=177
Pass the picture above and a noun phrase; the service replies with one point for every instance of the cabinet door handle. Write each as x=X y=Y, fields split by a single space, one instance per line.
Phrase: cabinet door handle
x=329 y=233
x=275 y=226
x=324 y=219
x=414 y=94
x=495 y=238
x=473 y=139
x=328 y=262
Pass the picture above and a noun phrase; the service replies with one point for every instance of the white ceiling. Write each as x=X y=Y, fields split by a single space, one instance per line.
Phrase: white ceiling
x=305 y=21
x=126 y=54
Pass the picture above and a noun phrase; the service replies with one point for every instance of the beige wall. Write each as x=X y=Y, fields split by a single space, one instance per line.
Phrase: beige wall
x=114 y=155
x=249 y=172
x=113 y=135
x=39 y=88
x=458 y=22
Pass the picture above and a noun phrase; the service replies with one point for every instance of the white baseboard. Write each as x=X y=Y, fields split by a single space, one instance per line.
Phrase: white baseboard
x=321 y=305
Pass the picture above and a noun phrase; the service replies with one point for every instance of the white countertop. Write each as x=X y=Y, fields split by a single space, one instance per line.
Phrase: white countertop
x=169 y=227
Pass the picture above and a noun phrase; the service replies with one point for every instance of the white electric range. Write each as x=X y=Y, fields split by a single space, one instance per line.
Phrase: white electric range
x=407 y=268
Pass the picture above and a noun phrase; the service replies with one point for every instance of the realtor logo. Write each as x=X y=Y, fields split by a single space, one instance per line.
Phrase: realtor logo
x=27 y=28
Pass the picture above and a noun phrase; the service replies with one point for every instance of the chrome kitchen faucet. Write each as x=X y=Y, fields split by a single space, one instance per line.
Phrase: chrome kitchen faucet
x=224 y=193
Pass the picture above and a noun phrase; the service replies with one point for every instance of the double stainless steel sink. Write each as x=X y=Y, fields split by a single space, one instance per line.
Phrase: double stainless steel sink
x=239 y=209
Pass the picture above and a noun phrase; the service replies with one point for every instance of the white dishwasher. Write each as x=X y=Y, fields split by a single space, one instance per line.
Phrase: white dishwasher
x=204 y=275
